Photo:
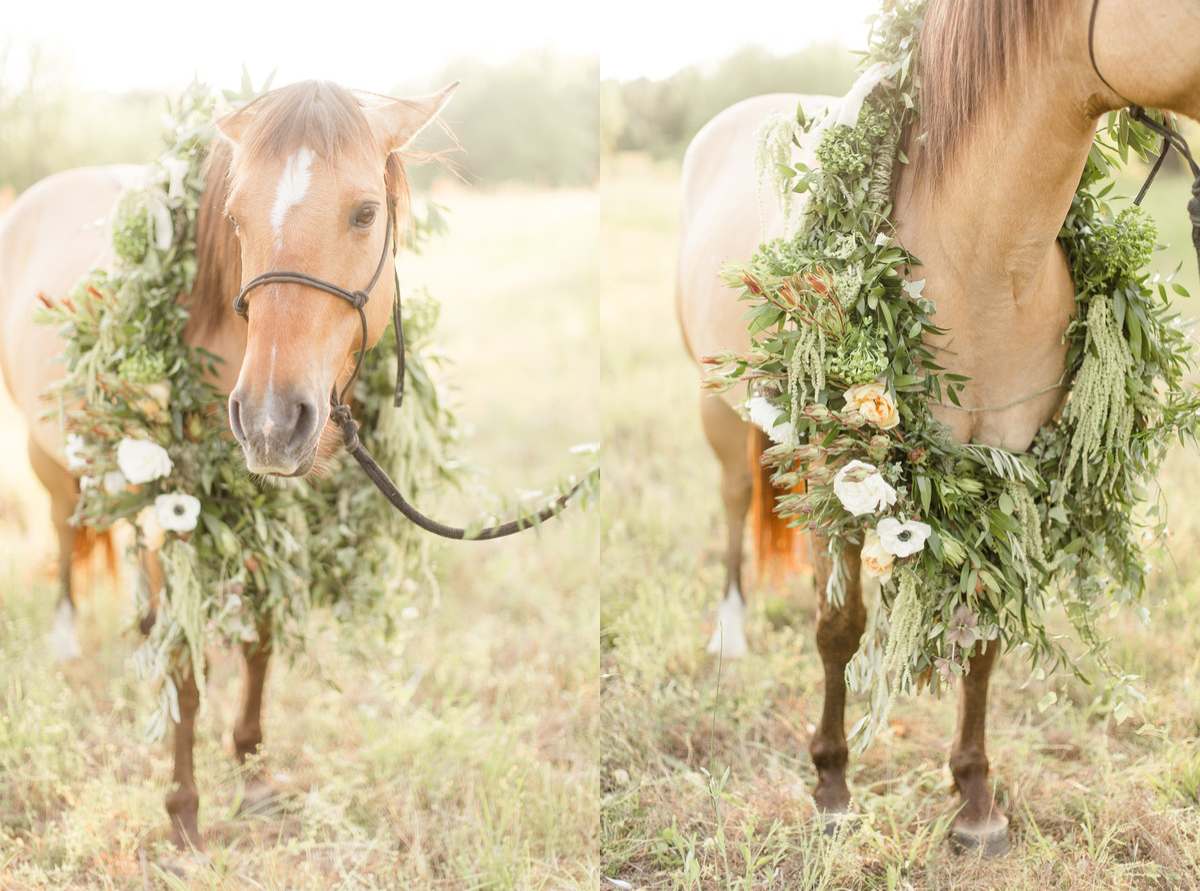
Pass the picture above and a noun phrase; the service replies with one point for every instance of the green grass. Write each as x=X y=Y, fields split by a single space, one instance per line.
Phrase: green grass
x=460 y=756
x=705 y=774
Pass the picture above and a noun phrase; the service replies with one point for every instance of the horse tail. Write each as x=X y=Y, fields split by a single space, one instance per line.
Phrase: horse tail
x=779 y=547
x=92 y=548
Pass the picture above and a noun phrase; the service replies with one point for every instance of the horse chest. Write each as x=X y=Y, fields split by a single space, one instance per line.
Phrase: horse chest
x=1014 y=353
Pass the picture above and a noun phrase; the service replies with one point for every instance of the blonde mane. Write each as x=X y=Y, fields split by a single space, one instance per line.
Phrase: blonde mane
x=968 y=51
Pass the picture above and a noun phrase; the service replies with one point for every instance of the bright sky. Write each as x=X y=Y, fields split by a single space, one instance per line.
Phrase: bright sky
x=372 y=45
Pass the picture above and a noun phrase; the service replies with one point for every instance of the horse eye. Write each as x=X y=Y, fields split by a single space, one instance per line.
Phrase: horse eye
x=365 y=216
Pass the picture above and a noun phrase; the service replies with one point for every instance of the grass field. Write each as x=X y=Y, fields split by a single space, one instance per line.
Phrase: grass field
x=705 y=775
x=464 y=755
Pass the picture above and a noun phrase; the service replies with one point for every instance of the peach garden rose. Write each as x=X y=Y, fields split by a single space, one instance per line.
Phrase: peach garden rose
x=873 y=403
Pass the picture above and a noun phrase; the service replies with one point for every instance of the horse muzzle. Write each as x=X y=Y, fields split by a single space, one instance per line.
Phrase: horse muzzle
x=278 y=433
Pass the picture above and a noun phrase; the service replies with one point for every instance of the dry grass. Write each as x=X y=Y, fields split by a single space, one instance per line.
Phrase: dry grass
x=705 y=775
x=462 y=756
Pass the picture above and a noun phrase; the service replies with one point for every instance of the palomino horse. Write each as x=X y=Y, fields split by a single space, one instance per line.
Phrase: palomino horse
x=304 y=178
x=1011 y=93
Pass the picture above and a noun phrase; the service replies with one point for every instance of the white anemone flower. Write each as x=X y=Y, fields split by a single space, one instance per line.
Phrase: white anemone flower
x=177 y=512
x=142 y=461
x=902 y=539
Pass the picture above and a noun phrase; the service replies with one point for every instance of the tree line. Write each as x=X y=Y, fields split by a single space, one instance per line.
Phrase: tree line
x=544 y=118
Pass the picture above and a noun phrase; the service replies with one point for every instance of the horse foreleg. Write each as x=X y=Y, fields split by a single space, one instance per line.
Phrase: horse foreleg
x=728 y=435
x=980 y=824
x=247 y=730
x=150 y=581
x=63 y=493
x=839 y=632
x=183 y=802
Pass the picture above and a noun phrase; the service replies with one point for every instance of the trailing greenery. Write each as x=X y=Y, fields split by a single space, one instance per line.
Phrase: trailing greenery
x=994 y=537
x=147 y=434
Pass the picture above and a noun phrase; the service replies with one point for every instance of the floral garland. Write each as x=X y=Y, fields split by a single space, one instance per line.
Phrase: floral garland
x=969 y=542
x=146 y=433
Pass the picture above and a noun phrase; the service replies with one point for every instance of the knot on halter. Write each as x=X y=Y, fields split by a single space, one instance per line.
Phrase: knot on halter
x=341 y=416
x=358 y=299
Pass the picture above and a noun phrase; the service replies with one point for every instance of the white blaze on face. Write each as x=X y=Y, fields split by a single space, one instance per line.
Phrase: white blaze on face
x=293 y=186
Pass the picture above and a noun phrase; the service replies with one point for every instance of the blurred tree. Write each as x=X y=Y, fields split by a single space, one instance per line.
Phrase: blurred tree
x=661 y=117
x=535 y=119
x=47 y=124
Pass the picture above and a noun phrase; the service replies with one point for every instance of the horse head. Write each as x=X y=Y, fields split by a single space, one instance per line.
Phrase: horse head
x=314 y=181
x=1146 y=53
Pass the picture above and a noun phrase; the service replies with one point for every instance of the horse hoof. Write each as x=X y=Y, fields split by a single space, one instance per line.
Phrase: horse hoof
x=260 y=798
x=729 y=640
x=989 y=840
x=64 y=645
x=836 y=824
x=185 y=865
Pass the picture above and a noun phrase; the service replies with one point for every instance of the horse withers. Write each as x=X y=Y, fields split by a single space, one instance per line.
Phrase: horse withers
x=304 y=178
x=1011 y=96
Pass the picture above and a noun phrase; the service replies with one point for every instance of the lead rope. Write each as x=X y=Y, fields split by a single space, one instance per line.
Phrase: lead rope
x=339 y=411
x=1171 y=139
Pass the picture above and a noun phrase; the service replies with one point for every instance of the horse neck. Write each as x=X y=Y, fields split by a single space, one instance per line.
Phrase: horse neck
x=993 y=220
x=986 y=236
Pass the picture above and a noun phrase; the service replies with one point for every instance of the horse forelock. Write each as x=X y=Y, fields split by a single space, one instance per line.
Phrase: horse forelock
x=969 y=50
x=317 y=116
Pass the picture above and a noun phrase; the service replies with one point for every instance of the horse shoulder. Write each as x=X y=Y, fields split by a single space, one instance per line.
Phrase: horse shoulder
x=723 y=219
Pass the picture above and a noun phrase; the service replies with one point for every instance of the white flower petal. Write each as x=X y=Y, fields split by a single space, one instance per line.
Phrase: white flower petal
x=866 y=496
x=177 y=512
x=142 y=461
x=902 y=539
x=764 y=414
x=74 y=453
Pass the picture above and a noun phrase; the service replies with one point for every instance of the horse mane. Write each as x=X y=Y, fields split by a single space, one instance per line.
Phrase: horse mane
x=321 y=116
x=968 y=50
x=218 y=257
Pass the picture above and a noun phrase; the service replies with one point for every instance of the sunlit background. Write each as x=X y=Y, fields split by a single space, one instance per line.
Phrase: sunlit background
x=545 y=85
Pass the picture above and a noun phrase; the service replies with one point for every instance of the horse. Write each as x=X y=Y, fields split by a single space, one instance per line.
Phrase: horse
x=306 y=177
x=1011 y=96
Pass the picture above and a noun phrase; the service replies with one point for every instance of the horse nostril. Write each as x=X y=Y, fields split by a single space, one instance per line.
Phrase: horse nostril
x=235 y=418
x=305 y=426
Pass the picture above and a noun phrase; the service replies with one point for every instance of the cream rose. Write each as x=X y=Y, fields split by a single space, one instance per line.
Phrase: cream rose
x=142 y=461
x=873 y=403
x=902 y=539
x=876 y=561
x=861 y=490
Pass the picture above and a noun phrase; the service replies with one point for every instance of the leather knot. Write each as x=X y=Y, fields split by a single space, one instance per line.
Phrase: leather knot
x=341 y=416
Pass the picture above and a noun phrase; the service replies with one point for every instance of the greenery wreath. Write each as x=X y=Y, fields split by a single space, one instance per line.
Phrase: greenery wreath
x=970 y=542
x=146 y=436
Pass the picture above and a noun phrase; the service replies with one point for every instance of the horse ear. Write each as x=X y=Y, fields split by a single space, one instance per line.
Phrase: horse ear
x=397 y=123
x=233 y=125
